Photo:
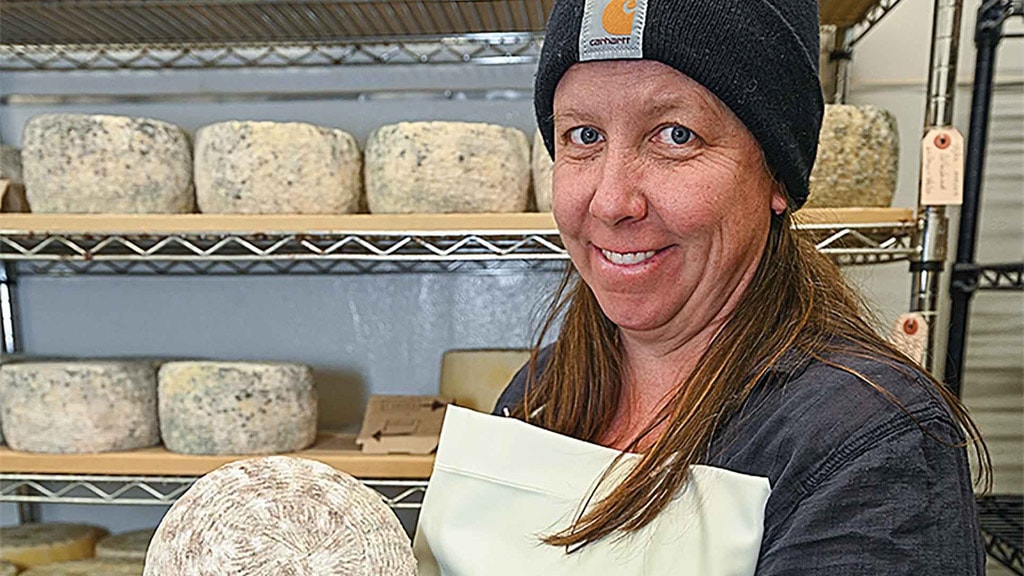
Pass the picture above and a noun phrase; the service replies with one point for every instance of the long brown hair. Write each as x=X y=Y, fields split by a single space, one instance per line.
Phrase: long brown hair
x=797 y=300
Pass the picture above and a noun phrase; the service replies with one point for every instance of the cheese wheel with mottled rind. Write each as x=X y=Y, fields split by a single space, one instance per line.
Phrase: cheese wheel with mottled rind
x=96 y=567
x=236 y=407
x=447 y=167
x=79 y=407
x=126 y=546
x=276 y=168
x=858 y=158
x=279 y=516
x=28 y=545
x=77 y=163
x=541 y=166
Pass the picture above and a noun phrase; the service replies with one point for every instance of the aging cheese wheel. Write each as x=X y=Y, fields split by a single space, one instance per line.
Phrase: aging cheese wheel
x=7 y=569
x=79 y=407
x=447 y=167
x=541 y=166
x=89 y=568
x=30 y=545
x=106 y=164
x=12 y=197
x=858 y=157
x=126 y=546
x=236 y=407
x=279 y=516
x=276 y=168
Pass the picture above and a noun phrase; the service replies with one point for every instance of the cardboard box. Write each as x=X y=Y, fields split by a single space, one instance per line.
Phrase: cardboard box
x=402 y=424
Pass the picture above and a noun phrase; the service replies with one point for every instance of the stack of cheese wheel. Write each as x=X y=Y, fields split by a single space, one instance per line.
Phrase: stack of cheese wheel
x=276 y=168
x=126 y=546
x=236 y=407
x=542 y=166
x=447 y=167
x=858 y=158
x=79 y=407
x=279 y=515
x=29 y=545
x=95 y=567
x=106 y=164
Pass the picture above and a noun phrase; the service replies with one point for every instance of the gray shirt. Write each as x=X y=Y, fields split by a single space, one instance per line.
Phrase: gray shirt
x=859 y=485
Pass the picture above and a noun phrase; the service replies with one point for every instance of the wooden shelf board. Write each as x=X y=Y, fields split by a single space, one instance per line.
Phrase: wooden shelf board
x=334 y=449
x=844 y=13
x=140 y=224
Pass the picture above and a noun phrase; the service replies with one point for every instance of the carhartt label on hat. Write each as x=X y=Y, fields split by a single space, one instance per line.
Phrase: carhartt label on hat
x=612 y=29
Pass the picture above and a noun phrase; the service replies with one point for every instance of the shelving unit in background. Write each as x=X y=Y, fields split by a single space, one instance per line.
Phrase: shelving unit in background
x=1002 y=516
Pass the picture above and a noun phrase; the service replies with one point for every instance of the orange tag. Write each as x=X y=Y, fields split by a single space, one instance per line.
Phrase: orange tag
x=942 y=167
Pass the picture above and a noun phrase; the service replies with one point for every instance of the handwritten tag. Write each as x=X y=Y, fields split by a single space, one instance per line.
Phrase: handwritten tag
x=942 y=167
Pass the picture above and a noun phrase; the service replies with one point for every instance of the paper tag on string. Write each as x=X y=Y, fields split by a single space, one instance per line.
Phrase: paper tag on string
x=942 y=167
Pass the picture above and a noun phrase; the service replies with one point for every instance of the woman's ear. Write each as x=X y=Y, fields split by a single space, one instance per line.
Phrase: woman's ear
x=779 y=203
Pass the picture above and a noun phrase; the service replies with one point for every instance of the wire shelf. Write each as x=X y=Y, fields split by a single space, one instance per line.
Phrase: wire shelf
x=1002 y=528
x=504 y=48
x=208 y=252
x=155 y=490
x=59 y=22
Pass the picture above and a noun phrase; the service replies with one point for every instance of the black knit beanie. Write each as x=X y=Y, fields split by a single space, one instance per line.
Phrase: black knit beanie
x=759 y=57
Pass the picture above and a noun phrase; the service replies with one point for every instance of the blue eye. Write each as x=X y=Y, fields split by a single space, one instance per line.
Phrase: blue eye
x=677 y=135
x=585 y=135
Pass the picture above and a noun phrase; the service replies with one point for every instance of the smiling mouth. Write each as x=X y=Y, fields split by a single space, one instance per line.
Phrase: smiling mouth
x=629 y=258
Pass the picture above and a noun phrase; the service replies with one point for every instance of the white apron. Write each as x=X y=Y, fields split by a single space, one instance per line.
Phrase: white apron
x=499 y=485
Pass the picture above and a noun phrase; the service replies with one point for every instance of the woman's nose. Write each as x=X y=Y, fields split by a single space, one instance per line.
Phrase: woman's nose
x=618 y=197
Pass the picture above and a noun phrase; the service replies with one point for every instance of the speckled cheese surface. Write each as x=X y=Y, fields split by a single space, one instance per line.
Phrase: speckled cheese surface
x=89 y=568
x=7 y=569
x=236 y=407
x=858 y=158
x=125 y=546
x=77 y=163
x=447 y=167
x=10 y=164
x=28 y=545
x=79 y=407
x=541 y=166
x=276 y=168
x=279 y=516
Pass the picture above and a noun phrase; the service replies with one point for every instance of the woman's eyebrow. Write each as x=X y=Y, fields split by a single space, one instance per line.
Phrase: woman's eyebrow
x=573 y=116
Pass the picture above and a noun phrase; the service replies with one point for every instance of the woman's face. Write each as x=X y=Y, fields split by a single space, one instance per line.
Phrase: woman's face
x=660 y=194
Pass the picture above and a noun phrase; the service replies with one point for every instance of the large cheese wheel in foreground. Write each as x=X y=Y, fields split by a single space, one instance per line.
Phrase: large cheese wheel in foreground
x=236 y=407
x=276 y=168
x=447 y=167
x=858 y=158
x=541 y=167
x=89 y=568
x=279 y=516
x=106 y=164
x=79 y=407
x=126 y=546
x=30 y=545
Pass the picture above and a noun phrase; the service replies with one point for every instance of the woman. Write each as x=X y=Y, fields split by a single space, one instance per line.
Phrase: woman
x=702 y=341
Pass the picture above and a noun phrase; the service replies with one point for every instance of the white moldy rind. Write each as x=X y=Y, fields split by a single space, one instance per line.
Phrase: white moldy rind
x=279 y=516
x=77 y=163
x=858 y=158
x=236 y=407
x=79 y=407
x=447 y=167
x=542 y=166
x=276 y=168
